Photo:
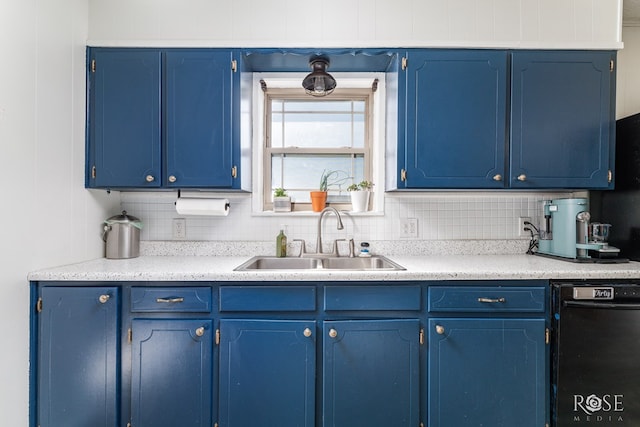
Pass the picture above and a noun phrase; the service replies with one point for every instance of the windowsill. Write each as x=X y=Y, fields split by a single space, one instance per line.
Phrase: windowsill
x=315 y=214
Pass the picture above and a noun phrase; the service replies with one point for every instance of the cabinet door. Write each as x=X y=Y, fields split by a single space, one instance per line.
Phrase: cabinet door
x=267 y=373
x=562 y=119
x=198 y=124
x=455 y=119
x=172 y=373
x=487 y=372
x=78 y=357
x=371 y=373
x=124 y=118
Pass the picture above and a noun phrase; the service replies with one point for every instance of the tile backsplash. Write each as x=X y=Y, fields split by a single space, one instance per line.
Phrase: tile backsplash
x=442 y=216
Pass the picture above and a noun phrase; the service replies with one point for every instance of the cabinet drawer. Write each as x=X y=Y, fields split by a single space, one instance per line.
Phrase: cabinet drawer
x=372 y=298
x=488 y=299
x=267 y=298
x=186 y=300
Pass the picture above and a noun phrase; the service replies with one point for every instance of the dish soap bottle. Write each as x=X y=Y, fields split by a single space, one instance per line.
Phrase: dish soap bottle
x=281 y=243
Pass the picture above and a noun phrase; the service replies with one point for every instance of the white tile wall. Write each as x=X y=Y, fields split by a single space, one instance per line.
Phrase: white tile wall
x=441 y=216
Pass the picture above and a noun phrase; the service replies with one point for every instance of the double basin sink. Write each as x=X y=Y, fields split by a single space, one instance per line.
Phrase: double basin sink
x=372 y=263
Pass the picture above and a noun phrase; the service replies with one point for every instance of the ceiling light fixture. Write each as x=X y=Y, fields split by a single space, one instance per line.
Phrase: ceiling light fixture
x=319 y=82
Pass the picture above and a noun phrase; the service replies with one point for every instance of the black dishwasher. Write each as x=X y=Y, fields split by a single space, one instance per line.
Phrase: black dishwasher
x=596 y=354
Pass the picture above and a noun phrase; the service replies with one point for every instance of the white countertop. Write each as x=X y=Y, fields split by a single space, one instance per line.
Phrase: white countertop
x=425 y=267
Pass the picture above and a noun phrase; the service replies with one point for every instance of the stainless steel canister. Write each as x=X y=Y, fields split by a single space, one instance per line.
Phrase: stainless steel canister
x=121 y=233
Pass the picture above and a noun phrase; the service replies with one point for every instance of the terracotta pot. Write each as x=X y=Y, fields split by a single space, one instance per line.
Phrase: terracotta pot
x=318 y=200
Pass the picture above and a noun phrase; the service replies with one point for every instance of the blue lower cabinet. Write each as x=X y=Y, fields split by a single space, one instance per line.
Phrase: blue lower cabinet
x=267 y=373
x=371 y=373
x=172 y=373
x=487 y=372
x=78 y=352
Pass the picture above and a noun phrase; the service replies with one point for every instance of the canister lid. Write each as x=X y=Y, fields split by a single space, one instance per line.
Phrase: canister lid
x=124 y=219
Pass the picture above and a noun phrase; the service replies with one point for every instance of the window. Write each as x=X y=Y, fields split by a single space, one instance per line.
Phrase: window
x=303 y=136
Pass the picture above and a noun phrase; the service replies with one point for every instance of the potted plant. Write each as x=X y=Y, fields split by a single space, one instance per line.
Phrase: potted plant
x=327 y=179
x=281 y=200
x=360 y=195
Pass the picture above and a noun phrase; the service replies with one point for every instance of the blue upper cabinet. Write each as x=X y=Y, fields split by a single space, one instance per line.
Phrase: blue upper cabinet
x=499 y=119
x=562 y=119
x=123 y=130
x=456 y=104
x=162 y=118
x=199 y=113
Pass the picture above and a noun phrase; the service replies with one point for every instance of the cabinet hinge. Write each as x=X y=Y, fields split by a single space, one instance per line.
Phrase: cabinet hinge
x=404 y=63
x=611 y=65
x=546 y=336
x=93 y=65
x=403 y=175
x=39 y=305
x=93 y=172
x=234 y=65
x=130 y=335
x=421 y=336
x=217 y=336
x=128 y=424
x=234 y=172
x=215 y=424
x=421 y=424
x=610 y=176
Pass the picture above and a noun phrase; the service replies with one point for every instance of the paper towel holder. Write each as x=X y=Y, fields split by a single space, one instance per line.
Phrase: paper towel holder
x=197 y=195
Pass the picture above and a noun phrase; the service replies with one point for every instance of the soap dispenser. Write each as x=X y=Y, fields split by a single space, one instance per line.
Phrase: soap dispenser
x=281 y=243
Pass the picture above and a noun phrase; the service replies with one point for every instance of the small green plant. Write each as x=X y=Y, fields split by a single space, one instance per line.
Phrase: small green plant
x=331 y=178
x=279 y=192
x=361 y=186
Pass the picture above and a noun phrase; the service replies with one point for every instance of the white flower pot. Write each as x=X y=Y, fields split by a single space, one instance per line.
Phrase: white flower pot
x=282 y=204
x=360 y=201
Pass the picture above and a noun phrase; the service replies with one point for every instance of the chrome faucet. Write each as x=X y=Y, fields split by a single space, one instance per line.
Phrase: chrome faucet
x=339 y=226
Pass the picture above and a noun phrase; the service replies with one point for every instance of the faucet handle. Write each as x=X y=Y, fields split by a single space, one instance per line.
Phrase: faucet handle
x=303 y=247
x=335 y=251
x=352 y=249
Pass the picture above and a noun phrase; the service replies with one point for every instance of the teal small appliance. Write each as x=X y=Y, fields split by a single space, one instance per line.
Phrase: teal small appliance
x=564 y=231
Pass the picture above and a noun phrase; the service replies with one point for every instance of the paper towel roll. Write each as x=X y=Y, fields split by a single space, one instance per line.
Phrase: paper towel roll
x=202 y=206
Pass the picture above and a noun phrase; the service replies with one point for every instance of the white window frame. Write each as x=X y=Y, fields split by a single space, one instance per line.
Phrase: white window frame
x=293 y=80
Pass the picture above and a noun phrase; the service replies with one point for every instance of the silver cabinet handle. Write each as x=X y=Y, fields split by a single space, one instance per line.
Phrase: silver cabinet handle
x=306 y=332
x=439 y=330
x=497 y=177
x=172 y=179
x=200 y=331
x=522 y=177
x=333 y=333
x=491 y=300
x=103 y=298
x=170 y=299
x=150 y=178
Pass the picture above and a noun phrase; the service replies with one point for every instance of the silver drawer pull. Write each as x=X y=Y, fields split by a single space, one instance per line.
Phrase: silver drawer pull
x=492 y=300
x=170 y=299
x=200 y=331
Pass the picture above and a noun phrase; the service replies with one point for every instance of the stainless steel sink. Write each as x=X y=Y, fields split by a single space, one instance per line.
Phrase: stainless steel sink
x=376 y=262
x=275 y=263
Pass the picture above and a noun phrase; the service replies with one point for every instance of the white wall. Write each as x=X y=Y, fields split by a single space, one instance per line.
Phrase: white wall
x=356 y=23
x=47 y=217
x=628 y=76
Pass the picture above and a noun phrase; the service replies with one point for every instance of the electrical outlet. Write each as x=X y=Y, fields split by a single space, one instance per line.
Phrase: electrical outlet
x=409 y=228
x=523 y=229
x=179 y=228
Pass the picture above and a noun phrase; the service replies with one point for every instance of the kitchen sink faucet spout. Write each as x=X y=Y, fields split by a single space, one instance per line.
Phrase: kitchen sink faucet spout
x=322 y=214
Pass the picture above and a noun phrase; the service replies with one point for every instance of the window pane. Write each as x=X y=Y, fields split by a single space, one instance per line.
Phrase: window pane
x=320 y=130
x=318 y=106
x=302 y=173
x=276 y=130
